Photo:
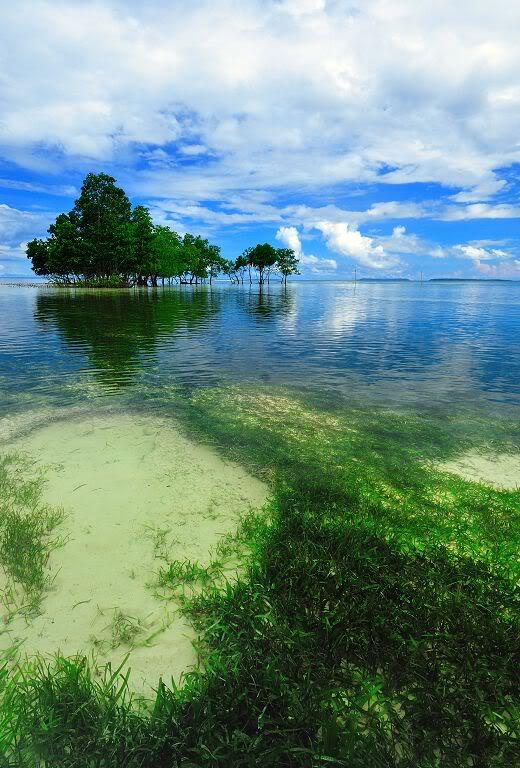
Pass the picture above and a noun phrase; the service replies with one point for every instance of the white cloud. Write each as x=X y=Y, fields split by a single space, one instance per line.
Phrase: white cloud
x=480 y=211
x=302 y=7
x=319 y=266
x=281 y=94
x=490 y=262
x=342 y=238
x=483 y=191
x=401 y=242
x=16 y=224
x=65 y=190
x=13 y=252
x=289 y=236
x=480 y=254
x=14 y=260
x=193 y=149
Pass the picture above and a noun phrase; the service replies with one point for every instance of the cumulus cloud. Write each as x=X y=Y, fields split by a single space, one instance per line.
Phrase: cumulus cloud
x=279 y=93
x=218 y=112
x=16 y=227
x=13 y=261
x=290 y=237
x=343 y=238
x=483 y=191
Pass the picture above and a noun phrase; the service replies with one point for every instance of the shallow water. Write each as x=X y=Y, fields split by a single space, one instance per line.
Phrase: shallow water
x=89 y=387
x=135 y=491
x=435 y=345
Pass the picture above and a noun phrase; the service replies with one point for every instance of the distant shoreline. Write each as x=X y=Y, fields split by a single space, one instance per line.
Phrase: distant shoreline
x=34 y=284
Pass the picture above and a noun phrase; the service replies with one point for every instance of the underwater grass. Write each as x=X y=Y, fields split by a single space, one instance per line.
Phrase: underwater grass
x=373 y=620
x=381 y=463
x=27 y=528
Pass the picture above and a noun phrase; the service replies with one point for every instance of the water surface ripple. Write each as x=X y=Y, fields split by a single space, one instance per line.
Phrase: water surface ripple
x=392 y=344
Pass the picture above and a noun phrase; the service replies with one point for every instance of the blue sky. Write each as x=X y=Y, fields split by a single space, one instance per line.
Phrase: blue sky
x=379 y=135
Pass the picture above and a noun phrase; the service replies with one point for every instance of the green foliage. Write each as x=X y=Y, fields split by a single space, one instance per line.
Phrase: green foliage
x=103 y=242
x=286 y=262
x=144 y=255
x=373 y=620
x=101 y=217
x=168 y=253
x=37 y=252
x=262 y=257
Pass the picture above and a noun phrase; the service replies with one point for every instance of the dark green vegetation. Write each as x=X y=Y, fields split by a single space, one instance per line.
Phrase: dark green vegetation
x=104 y=242
x=374 y=620
x=27 y=535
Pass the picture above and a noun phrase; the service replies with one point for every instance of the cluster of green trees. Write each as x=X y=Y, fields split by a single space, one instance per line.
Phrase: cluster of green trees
x=104 y=241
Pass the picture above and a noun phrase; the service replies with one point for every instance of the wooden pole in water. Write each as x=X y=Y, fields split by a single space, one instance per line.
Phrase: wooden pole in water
x=355 y=275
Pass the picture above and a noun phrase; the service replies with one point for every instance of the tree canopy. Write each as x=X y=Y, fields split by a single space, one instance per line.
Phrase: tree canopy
x=103 y=240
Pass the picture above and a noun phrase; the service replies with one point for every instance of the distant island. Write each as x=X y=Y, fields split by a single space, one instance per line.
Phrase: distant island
x=470 y=280
x=104 y=242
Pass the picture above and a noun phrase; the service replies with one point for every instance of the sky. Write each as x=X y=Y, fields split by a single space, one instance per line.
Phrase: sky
x=381 y=136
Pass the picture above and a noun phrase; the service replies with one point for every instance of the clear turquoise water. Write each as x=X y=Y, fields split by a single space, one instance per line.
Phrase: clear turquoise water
x=442 y=346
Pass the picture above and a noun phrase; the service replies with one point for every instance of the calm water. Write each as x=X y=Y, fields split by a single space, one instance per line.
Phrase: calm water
x=437 y=345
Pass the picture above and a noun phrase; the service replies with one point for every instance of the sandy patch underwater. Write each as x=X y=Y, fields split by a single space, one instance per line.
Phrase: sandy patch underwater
x=501 y=470
x=133 y=488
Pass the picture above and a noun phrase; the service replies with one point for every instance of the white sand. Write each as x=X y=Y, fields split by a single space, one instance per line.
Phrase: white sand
x=130 y=485
x=500 y=470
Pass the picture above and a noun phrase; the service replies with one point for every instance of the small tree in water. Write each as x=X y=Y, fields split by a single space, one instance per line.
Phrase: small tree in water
x=287 y=263
x=262 y=257
x=104 y=241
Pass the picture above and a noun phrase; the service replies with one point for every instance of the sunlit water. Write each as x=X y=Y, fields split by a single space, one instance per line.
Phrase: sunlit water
x=421 y=346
